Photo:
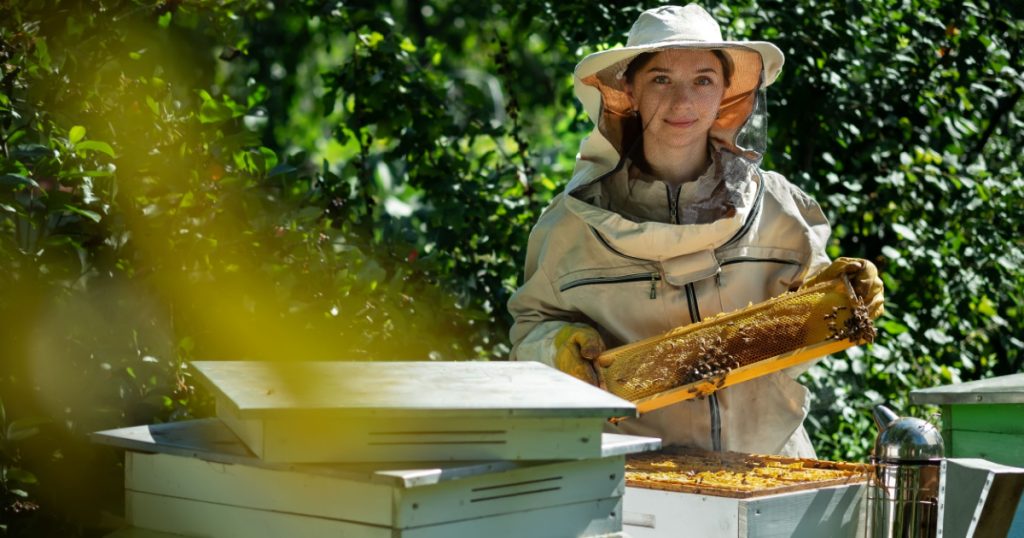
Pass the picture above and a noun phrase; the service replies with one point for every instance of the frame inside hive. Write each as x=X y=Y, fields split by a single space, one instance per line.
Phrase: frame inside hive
x=721 y=474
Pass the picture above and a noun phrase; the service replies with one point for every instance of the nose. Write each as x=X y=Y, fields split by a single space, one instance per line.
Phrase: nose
x=681 y=97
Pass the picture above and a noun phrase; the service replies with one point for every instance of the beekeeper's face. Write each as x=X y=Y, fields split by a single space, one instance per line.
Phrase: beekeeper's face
x=677 y=93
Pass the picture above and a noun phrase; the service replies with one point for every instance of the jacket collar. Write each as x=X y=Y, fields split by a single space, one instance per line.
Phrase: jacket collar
x=684 y=252
x=661 y=240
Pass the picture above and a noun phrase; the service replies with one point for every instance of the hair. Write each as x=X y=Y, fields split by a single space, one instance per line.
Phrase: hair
x=642 y=59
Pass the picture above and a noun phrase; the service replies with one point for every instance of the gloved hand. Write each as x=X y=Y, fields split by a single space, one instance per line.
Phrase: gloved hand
x=863 y=277
x=576 y=347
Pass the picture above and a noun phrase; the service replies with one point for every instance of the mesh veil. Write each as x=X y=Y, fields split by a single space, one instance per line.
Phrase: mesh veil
x=741 y=127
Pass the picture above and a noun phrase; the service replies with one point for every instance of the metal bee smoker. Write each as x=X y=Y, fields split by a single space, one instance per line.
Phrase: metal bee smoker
x=903 y=496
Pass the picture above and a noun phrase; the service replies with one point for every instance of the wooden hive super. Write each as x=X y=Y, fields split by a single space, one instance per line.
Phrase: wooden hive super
x=678 y=493
x=197 y=479
x=305 y=412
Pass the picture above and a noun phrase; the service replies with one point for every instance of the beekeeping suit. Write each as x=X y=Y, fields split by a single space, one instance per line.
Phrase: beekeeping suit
x=633 y=257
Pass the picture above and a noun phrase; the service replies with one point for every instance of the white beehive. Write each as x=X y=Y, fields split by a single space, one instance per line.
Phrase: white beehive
x=410 y=411
x=835 y=512
x=196 y=479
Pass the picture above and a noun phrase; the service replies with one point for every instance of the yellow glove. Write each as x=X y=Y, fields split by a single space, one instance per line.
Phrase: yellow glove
x=576 y=347
x=863 y=277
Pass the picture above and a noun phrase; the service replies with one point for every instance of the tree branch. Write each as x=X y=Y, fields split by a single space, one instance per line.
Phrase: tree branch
x=1004 y=108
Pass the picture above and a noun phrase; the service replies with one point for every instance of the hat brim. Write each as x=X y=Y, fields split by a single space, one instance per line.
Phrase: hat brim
x=771 y=57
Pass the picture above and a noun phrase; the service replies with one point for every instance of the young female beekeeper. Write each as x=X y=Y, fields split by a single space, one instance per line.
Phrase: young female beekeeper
x=668 y=219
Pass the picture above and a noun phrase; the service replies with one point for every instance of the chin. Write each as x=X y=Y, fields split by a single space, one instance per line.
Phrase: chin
x=679 y=142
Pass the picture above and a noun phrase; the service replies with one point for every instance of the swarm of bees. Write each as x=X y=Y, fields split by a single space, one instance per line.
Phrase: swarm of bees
x=857 y=327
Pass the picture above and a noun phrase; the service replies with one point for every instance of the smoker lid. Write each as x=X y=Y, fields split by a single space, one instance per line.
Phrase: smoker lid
x=909 y=439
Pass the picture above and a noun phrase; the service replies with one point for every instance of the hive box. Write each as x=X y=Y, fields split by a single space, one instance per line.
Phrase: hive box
x=410 y=411
x=196 y=479
x=835 y=512
x=981 y=419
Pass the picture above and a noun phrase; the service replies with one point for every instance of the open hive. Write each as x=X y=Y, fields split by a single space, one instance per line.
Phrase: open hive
x=731 y=474
x=697 y=359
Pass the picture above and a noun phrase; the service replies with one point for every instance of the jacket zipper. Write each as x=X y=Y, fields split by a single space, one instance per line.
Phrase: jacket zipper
x=714 y=411
x=636 y=277
x=691 y=302
x=673 y=203
x=745 y=259
x=759 y=260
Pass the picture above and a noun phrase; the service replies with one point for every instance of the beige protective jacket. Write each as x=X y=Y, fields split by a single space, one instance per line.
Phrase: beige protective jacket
x=632 y=278
x=632 y=258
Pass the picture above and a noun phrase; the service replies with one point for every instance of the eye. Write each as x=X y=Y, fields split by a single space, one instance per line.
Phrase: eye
x=661 y=79
x=704 y=81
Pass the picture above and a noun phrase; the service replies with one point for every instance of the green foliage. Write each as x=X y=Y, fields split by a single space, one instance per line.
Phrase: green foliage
x=14 y=478
x=305 y=180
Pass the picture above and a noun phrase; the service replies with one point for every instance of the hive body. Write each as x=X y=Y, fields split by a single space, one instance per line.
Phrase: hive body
x=680 y=492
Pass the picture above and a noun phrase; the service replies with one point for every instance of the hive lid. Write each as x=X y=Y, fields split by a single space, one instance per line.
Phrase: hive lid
x=1004 y=389
x=210 y=440
x=410 y=389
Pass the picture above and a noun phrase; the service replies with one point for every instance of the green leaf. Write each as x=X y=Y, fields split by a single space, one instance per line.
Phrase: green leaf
x=891 y=253
x=10 y=181
x=906 y=232
x=18 y=474
x=211 y=111
x=892 y=327
x=269 y=158
x=42 y=53
x=31 y=152
x=75 y=134
x=281 y=169
x=91 y=215
x=372 y=39
x=95 y=145
x=938 y=337
x=987 y=307
x=25 y=428
x=308 y=214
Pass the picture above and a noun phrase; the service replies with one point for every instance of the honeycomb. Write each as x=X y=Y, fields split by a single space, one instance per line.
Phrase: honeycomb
x=709 y=350
x=732 y=474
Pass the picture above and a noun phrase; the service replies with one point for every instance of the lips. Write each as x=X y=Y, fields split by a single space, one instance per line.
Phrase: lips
x=681 y=123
